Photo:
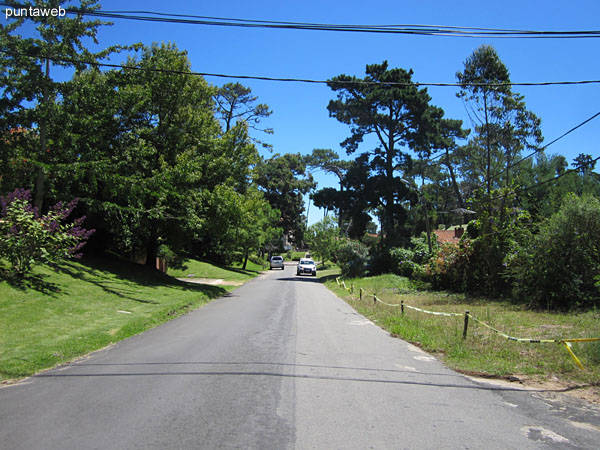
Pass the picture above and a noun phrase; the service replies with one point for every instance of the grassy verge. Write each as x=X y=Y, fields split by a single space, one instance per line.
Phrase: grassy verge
x=483 y=351
x=191 y=268
x=295 y=256
x=58 y=315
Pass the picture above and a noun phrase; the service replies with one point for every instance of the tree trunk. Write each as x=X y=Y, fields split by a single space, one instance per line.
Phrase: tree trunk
x=40 y=181
x=152 y=247
x=245 y=259
x=461 y=202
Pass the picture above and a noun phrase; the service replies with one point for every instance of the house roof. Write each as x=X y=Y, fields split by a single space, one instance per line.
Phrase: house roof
x=452 y=236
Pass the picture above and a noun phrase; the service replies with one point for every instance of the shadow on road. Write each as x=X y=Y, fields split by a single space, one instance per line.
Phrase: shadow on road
x=303 y=278
x=463 y=384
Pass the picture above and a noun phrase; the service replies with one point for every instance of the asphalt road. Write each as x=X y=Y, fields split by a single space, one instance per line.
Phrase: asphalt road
x=280 y=363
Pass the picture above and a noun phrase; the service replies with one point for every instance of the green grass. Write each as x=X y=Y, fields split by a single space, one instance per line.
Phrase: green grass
x=297 y=255
x=483 y=351
x=57 y=315
x=191 y=268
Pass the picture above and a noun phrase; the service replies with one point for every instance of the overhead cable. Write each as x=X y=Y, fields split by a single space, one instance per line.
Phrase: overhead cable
x=533 y=186
x=541 y=149
x=403 y=29
x=296 y=80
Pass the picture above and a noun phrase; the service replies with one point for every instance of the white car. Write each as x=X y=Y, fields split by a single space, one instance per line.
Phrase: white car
x=306 y=267
x=277 y=262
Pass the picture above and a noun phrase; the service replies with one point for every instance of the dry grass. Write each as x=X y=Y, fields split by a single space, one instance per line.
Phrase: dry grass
x=484 y=352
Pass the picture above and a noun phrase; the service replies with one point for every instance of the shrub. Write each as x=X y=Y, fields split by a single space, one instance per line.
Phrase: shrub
x=402 y=259
x=409 y=262
x=27 y=238
x=450 y=267
x=323 y=238
x=558 y=267
x=352 y=257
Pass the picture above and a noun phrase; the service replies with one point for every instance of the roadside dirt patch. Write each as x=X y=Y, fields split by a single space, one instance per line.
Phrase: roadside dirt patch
x=587 y=392
x=211 y=281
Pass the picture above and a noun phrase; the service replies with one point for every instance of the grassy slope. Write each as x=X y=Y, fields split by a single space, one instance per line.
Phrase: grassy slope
x=60 y=315
x=201 y=269
x=483 y=351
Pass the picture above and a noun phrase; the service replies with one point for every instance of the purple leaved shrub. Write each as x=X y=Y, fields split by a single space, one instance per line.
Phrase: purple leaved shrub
x=28 y=238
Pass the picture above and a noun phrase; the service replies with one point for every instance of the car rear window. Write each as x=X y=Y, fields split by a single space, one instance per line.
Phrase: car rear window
x=276 y=258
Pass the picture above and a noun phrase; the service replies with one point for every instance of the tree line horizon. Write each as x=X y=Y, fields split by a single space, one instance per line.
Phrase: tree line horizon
x=167 y=165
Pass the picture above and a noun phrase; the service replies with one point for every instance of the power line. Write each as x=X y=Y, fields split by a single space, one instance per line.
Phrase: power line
x=541 y=183
x=546 y=146
x=403 y=29
x=423 y=30
x=551 y=180
x=297 y=80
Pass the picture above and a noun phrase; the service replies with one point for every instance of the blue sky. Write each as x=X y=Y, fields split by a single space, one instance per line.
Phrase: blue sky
x=300 y=118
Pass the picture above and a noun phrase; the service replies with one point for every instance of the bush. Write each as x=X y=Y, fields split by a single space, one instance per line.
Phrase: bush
x=402 y=259
x=352 y=257
x=558 y=267
x=27 y=239
x=450 y=268
x=409 y=262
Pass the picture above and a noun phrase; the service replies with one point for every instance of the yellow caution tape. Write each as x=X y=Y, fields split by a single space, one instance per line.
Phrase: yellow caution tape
x=387 y=304
x=568 y=347
x=565 y=342
x=435 y=313
x=511 y=338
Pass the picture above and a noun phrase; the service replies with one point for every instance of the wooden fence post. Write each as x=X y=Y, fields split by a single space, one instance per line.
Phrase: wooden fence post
x=466 y=325
x=402 y=306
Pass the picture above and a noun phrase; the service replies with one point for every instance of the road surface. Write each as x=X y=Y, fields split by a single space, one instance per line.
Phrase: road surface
x=280 y=363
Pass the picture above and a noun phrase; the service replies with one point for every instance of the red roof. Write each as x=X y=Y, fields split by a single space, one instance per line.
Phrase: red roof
x=449 y=235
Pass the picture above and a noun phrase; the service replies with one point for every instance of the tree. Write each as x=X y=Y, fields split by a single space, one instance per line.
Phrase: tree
x=502 y=124
x=236 y=103
x=258 y=225
x=322 y=238
x=28 y=91
x=358 y=195
x=171 y=144
x=329 y=161
x=352 y=257
x=235 y=224
x=503 y=128
x=284 y=181
x=142 y=145
x=389 y=106
x=450 y=131
x=558 y=267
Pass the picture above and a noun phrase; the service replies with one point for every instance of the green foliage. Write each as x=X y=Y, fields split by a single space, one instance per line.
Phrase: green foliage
x=477 y=264
x=558 y=267
x=284 y=181
x=503 y=126
x=235 y=223
x=323 y=238
x=235 y=103
x=401 y=119
x=27 y=239
x=451 y=267
x=352 y=257
x=410 y=262
x=26 y=86
x=402 y=259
